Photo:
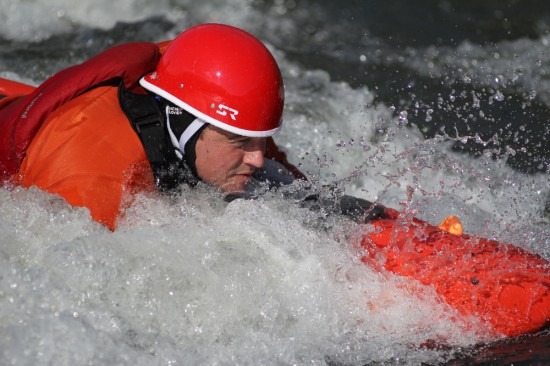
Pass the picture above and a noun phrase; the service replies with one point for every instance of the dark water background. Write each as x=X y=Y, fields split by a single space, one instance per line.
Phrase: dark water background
x=388 y=32
x=377 y=44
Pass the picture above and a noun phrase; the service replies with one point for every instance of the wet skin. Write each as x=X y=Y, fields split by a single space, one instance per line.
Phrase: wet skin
x=227 y=160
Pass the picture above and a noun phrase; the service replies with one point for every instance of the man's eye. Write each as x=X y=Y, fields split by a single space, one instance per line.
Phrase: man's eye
x=240 y=142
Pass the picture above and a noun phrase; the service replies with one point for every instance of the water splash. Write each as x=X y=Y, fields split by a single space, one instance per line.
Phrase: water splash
x=196 y=281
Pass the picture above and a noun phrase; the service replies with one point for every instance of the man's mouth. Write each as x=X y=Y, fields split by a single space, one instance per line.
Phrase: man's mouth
x=247 y=174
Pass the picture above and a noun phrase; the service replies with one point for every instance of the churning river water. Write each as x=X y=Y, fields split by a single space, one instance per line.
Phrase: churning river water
x=434 y=107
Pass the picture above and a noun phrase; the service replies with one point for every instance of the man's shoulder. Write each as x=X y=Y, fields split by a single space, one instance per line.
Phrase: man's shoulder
x=101 y=102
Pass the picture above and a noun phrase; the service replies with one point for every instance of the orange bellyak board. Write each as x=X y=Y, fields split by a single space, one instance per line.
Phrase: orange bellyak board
x=506 y=287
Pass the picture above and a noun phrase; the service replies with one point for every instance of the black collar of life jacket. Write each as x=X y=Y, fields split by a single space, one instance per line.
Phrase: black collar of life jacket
x=149 y=123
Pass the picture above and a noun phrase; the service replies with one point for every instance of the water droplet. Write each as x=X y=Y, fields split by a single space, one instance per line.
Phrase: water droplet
x=499 y=97
x=403 y=117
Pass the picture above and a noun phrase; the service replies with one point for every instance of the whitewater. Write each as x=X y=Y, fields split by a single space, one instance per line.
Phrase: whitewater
x=190 y=279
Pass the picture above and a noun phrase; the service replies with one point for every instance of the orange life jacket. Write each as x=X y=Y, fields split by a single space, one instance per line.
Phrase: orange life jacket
x=87 y=152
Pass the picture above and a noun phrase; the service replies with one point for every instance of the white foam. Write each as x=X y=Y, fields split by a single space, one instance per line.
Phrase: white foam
x=519 y=63
x=36 y=20
x=193 y=281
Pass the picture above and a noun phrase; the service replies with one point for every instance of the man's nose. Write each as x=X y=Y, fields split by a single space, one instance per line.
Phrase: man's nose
x=254 y=158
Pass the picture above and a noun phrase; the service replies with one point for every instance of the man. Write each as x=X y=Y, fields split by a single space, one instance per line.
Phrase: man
x=205 y=110
x=99 y=132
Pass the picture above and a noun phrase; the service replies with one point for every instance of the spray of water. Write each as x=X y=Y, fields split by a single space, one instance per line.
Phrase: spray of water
x=193 y=280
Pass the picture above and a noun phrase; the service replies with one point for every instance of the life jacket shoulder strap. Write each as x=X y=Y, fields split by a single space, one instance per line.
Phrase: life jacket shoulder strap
x=149 y=123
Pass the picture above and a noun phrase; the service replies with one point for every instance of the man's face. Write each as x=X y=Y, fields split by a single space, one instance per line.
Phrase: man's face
x=227 y=160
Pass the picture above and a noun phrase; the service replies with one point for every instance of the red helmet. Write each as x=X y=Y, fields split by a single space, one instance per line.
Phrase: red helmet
x=224 y=76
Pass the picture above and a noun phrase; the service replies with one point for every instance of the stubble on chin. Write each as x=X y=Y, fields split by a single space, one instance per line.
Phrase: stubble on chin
x=235 y=184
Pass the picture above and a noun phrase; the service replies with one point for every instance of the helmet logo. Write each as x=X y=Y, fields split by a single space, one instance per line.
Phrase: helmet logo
x=223 y=109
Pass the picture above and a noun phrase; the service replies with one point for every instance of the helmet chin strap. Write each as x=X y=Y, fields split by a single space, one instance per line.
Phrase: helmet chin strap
x=188 y=133
x=184 y=130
